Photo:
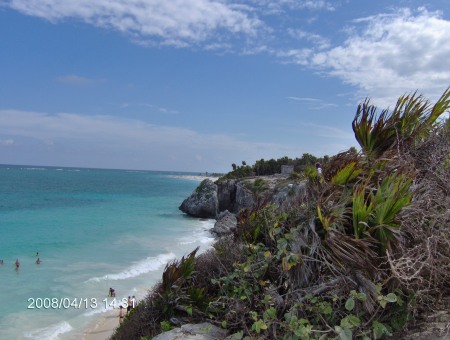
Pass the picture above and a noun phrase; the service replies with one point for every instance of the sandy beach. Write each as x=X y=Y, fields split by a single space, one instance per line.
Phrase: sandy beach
x=196 y=178
x=104 y=326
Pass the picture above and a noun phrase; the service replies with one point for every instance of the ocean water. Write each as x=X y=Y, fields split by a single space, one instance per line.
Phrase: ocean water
x=93 y=229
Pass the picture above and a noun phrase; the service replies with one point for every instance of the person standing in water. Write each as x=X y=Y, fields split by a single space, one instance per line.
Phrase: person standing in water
x=17 y=264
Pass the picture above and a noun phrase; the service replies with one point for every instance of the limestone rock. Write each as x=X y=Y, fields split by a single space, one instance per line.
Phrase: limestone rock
x=244 y=198
x=202 y=331
x=226 y=223
x=226 y=194
x=203 y=201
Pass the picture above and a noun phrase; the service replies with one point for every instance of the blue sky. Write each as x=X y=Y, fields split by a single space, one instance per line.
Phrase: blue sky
x=196 y=85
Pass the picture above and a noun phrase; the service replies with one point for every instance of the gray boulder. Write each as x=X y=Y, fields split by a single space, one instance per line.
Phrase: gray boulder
x=226 y=194
x=201 y=331
x=225 y=224
x=244 y=197
x=203 y=201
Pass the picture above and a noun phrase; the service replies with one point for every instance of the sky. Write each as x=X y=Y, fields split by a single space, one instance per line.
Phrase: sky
x=196 y=85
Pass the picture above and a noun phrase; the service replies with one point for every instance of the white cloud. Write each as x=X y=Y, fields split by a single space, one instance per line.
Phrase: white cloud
x=316 y=39
x=176 y=22
x=390 y=55
x=328 y=132
x=76 y=80
x=304 y=99
x=6 y=142
x=278 y=6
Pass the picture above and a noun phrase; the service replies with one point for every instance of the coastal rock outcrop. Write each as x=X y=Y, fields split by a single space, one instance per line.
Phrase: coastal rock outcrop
x=233 y=195
x=226 y=223
x=201 y=331
x=203 y=201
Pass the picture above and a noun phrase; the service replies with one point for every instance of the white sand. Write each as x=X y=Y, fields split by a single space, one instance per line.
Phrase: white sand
x=104 y=326
x=196 y=178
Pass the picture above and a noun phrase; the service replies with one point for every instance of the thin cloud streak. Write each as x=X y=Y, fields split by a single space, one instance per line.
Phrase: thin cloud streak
x=301 y=99
x=71 y=139
x=76 y=80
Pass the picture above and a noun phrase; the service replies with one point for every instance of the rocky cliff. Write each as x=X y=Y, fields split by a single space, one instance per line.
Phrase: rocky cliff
x=213 y=198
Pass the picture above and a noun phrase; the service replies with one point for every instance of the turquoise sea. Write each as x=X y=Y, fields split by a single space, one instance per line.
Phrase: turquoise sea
x=93 y=229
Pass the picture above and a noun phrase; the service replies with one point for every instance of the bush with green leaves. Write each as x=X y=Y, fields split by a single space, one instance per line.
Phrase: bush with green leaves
x=358 y=257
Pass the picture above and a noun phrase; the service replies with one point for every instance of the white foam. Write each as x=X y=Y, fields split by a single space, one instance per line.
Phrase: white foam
x=98 y=311
x=142 y=267
x=34 y=169
x=201 y=234
x=50 y=332
x=194 y=178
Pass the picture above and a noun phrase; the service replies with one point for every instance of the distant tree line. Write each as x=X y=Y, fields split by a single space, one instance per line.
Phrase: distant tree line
x=272 y=166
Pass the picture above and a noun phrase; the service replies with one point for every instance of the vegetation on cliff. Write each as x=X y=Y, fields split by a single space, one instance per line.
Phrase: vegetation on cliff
x=361 y=255
x=273 y=166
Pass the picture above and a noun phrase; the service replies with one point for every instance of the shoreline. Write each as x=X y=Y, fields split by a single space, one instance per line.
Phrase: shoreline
x=195 y=178
x=103 y=327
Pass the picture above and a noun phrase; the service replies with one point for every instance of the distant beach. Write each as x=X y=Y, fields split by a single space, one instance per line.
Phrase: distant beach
x=197 y=178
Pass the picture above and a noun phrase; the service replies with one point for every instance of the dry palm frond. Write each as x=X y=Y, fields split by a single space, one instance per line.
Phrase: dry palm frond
x=350 y=253
x=177 y=271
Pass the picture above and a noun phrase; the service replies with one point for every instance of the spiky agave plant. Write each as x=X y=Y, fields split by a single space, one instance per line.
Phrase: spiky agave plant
x=413 y=117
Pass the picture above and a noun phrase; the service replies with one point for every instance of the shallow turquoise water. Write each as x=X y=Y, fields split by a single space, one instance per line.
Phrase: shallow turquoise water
x=93 y=229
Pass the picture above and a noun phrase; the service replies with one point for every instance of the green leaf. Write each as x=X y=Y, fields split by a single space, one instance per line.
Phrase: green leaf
x=361 y=297
x=237 y=336
x=344 y=333
x=350 y=304
x=259 y=325
x=270 y=313
x=350 y=321
x=391 y=297
x=379 y=330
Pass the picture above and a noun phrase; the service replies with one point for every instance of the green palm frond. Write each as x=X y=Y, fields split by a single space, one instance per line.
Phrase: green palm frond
x=392 y=195
x=347 y=174
x=411 y=118
x=373 y=133
x=176 y=272
x=362 y=210
x=335 y=215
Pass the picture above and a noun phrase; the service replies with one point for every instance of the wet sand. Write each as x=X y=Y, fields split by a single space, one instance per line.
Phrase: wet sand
x=104 y=326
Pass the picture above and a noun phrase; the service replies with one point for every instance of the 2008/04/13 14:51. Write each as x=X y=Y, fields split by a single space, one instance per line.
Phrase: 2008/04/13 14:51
x=76 y=303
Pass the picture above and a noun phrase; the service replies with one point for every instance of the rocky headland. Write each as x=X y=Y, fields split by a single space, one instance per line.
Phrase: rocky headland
x=224 y=199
